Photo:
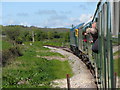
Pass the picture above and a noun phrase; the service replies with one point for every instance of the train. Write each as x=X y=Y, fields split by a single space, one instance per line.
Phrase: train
x=101 y=64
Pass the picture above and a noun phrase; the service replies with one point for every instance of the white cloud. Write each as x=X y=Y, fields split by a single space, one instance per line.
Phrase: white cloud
x=85 y=17
x=46 y=12
x=53 y=23
x=58 y=17
x=72 y=19
x=11 y=22
x=78 y=20
x=56 y=21
x=24 y=24
x=65 y=22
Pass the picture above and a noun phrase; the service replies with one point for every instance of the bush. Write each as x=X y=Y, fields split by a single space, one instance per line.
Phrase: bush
x=10 y=54
x=19 y=40
x=13 y=34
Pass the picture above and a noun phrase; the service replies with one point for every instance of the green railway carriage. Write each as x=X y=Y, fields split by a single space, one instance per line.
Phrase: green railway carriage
x=74 y=38
x=107 y=18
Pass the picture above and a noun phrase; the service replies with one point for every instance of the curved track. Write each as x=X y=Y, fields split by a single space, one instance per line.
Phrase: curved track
x=82 y=77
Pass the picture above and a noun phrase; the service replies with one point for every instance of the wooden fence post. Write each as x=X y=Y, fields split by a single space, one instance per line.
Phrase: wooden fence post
x=68 y=81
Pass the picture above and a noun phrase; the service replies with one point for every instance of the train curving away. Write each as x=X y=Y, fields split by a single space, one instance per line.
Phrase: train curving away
x=92 y=42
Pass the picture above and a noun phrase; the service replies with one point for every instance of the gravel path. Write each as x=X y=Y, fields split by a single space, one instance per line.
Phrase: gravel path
x=116 y=48
x=82 y=77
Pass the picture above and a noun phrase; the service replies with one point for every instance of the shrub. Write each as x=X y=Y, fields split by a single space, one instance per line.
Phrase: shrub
x=10 y=54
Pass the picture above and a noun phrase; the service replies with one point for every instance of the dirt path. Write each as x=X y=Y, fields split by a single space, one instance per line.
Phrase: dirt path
x=116 y=48
x=82 y=77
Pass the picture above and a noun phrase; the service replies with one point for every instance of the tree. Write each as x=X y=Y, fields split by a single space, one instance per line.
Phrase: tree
x=13 y=34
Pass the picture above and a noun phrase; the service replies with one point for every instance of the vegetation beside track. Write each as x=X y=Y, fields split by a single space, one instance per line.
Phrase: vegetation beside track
x=5 y=45
x=117 y=63
x=31 y=71
x=27 y=70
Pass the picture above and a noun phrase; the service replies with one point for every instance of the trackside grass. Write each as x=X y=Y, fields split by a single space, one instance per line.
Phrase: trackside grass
x=117 y=63
x=29 y=71
x=5 y=45
x=116 y=66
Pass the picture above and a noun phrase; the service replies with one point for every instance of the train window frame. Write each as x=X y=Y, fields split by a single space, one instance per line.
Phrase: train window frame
x=105 y=18
x=103 y=23
x=115 y=18
x=100 y=22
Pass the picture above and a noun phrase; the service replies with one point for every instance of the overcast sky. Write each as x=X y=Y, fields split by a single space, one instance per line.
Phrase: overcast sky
x=50 y=14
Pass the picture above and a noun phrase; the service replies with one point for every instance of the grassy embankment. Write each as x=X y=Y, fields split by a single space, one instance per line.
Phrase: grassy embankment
x=30 y=71
x=116 y=55
x=117 y=63
x=5 y=45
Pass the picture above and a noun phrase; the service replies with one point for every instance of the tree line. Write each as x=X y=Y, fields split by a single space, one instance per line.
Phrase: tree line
x=21 y=34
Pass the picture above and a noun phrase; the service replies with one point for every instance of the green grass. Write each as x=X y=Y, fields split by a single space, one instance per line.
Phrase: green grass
x=115 y=41
x=5 y=45
x=34 y=71
x=117 y=53
x=50 y=54
x=56 y=42
x=117 y=63
x=38 y=46
x=116 y=66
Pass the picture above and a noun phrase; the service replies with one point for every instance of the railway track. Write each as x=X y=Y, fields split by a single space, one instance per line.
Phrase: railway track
x=82 y=77
x=63 y=48
x=68 y=50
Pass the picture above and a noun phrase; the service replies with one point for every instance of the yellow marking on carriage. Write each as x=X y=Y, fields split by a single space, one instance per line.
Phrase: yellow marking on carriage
x=76 y=32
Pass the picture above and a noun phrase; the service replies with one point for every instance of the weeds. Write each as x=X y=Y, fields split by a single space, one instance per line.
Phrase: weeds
x=28 y=71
